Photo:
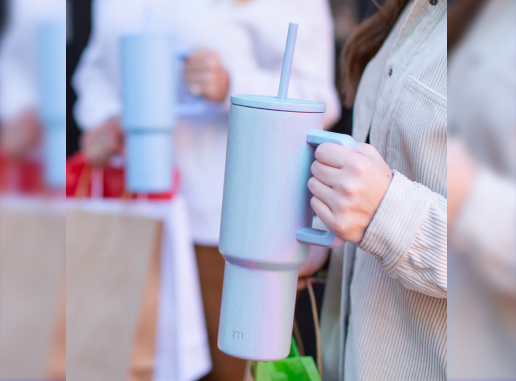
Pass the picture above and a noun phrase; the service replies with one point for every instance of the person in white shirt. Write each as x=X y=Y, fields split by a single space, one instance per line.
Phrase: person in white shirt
x=236 y=47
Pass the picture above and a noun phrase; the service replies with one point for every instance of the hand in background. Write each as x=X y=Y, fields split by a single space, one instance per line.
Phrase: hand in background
x=462 y=171
x=205 y=75
x=20 y=134
x=99 y=144
x=348 y=187
x=316 y=261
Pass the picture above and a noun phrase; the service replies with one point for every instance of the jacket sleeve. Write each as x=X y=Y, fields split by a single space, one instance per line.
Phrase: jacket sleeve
x=97 y=94
x=264 y=26
x=408 y=236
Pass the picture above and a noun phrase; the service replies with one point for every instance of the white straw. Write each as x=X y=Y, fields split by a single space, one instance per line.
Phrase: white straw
x=288 y=58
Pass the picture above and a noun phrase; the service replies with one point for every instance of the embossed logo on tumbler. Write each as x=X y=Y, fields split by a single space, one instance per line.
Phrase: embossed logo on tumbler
x=266 y=215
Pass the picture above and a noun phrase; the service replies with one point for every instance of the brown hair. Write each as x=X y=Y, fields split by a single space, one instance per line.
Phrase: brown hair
x=460 y=16
x=369 y=36
x=363 y=44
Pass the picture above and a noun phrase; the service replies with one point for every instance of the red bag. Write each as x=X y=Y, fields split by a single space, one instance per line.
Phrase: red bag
x=113 y=183
x=24 y=176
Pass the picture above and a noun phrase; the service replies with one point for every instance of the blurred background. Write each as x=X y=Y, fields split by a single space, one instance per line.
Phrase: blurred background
x=481 y=199
x=346 y=15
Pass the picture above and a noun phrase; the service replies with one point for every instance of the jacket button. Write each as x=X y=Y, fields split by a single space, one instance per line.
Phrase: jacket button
x=390 y=72
x=434 y=2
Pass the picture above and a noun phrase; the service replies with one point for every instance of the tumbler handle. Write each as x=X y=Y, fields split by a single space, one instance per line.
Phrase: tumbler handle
x=190 y=105
x=315 y=236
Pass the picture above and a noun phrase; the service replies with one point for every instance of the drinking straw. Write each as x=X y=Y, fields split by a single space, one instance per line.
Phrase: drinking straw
x=288 y=58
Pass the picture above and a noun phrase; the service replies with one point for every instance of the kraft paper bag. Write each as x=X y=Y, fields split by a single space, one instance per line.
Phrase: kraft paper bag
x=32 y=261
x=57 y=363
x=143 y=357
x=110 y=295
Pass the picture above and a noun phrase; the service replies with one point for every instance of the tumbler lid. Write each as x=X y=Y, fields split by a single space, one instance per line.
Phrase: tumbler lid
x=275 y=103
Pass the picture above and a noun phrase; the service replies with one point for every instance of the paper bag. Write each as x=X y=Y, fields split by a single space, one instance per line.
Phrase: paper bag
x=32 y=255
x=108 y=259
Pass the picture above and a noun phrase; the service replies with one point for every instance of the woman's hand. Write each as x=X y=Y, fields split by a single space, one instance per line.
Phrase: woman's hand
x=205 y=75
x=99 y=144
x=348 y=186
x=20 y=134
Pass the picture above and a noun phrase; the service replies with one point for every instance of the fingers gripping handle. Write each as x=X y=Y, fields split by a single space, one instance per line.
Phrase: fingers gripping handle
x=315 y=236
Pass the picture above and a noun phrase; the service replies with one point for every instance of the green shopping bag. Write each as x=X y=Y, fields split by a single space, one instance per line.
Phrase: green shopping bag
x=294 y=367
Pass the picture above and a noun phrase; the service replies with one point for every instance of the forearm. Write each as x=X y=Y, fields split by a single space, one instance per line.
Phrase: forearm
x=408 y=236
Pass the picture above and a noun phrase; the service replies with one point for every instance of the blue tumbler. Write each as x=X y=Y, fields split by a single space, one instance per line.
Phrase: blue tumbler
x=148 y=78
x=51 y=78
x=266 y=228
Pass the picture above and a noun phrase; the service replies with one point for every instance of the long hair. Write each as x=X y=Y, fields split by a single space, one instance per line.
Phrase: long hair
x=368 y=37
x=461 y=14
x=363 y=44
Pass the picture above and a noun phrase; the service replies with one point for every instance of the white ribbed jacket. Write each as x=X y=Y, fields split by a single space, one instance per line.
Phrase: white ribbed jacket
x=384 y=313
